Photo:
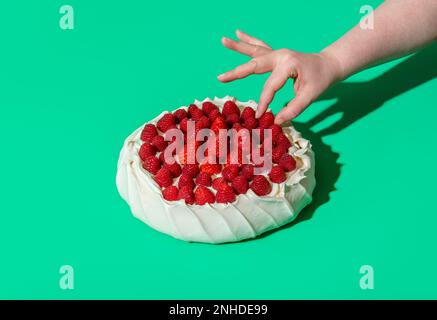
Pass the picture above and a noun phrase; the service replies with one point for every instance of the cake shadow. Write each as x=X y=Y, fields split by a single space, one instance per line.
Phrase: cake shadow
x=353 y=101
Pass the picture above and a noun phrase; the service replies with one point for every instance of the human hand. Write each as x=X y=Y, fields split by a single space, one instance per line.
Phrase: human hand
x=312 y=73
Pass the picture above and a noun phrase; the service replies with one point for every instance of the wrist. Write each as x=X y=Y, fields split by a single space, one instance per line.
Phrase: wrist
x=334 y=65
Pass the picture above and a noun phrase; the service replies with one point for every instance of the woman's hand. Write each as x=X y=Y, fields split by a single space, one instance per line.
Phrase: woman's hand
x=312 y=73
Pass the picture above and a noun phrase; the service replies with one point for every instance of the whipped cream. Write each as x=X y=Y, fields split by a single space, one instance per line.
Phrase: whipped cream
x=247 y=217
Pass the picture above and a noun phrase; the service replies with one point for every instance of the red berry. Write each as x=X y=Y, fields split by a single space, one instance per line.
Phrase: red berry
x=203 y=195
x=163 y=177
x=230 y=171
x=248 y=112
x=247 y=171
x=171 y=193
x=207 y=107
x=175 y=169
x=214 y=114
x=230 y=107
x=166 y=122
x=266 y=120
x=211 y=168
x=148 y=133
x=276 y=130
x=186 y=181
x=186 y=193
x=194 y=112
x=250 y=123
x=146 y=150
x=152 y=164
x=217 y=124
x=282 y=140
x=180 y=114
x=277 y=153
x=220 y=184
x=225 y=197
x=240 y=185
x=277 y=174
x=206 y=122
x=287 y=162
x=191 y=169
x=237 y=126
x=184 y=125
x=232 y=118
x=203 y=179
x=260 y=185
x=159 y=143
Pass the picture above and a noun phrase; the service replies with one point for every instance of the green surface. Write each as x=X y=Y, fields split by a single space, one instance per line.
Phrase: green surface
x=70 y=97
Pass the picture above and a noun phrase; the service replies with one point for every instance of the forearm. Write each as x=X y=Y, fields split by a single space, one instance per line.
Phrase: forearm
x=400 y=27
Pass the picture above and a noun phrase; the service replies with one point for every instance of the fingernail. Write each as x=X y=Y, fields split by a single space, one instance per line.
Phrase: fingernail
x=220 y=76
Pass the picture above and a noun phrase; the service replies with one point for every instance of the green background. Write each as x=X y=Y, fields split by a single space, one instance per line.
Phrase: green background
x=70 y=97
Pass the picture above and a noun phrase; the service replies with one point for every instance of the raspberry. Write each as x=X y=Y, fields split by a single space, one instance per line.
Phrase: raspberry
x=166 y=122
x=152 y=164
x=229 y=108
x=175 y=169
x=203 y=179
x=195 y=112
x=225 y=197
x=217 y=124
x=171 y=193
x=206 y=122
x=230 y=172
x=240 y=185
x=287 y=162
x=248 y=112
x=232 y=118
x=163 y=177
x=237 y=126
x=165 y=160
x=266 y=120
x=247 y=171
x=207 y=107
x=180 y=114
x=250 y=123
x=203 y=195
x=184 y=125
x=260 y=185
x=146 y=150
x=220 y=184
x=191 y=169
x=276 y=130
x=186 y=181
x=277 y=153
x=211 y=168
x=214 y=114
x=186 y=193
x=148 y=133
x=282 y=139
x=277 y=174
x=159 y=143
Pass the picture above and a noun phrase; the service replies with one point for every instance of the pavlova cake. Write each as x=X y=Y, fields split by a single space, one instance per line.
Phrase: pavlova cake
x=185 y=175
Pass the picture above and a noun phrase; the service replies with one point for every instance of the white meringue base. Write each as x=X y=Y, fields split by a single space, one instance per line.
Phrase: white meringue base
x=247 y=217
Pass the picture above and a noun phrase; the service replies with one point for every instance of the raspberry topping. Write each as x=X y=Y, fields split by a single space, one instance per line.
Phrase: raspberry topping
x=287 y=162
x=212 y=182
x=203 y=195
x=171 y=193
x=148 y=133
x=260 y=185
